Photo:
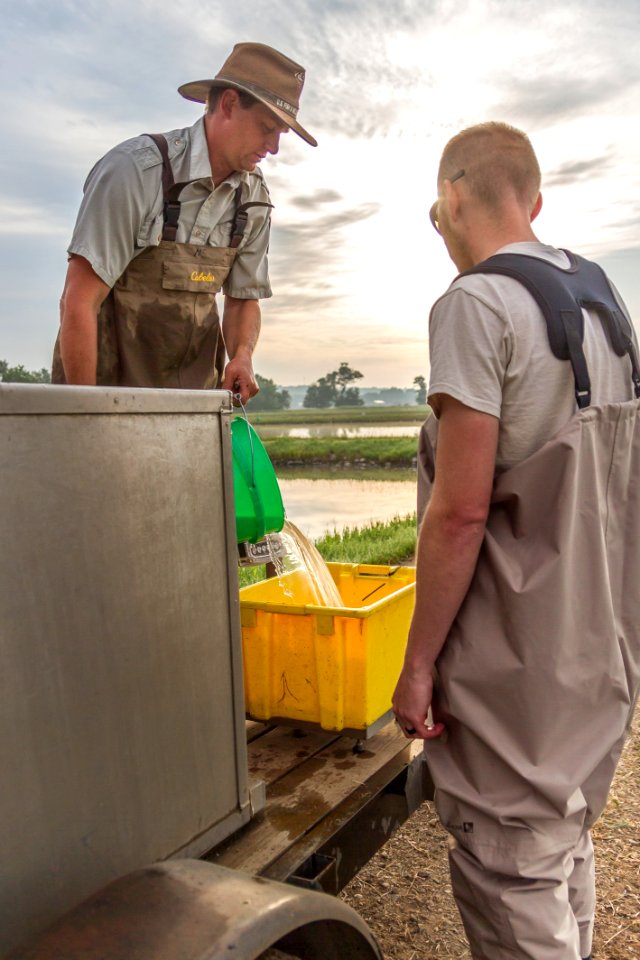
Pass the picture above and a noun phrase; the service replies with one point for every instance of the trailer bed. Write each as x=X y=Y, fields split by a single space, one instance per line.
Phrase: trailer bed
x=331 y=802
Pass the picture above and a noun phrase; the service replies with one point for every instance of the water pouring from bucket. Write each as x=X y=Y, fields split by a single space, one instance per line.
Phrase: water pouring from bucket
x=303 y=574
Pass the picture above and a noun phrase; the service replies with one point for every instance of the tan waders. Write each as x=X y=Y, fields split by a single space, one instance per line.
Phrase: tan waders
x=159 y=325
x=536 y=686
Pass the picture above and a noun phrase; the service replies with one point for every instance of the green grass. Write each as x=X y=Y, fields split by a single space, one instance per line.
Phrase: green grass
x=249 y=575
x=372 y=450
x=412 y=414
x=388 y=542
x=383 y=542
x=338 y=471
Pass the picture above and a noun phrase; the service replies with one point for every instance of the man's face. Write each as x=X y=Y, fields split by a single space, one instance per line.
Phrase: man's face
x=251 y=135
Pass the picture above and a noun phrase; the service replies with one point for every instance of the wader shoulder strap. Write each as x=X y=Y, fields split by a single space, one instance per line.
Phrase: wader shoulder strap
x=561 y=294
x=170 y=190
x=171 y=193
x=242 y=216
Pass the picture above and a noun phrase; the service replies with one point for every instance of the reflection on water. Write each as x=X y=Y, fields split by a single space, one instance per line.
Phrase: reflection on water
x=313 y=431
x=321 y=506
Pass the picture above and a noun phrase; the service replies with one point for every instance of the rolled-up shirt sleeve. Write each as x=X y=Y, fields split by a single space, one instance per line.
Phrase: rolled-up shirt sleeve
x=470 y=345
x=249 y=275
x=114 y=219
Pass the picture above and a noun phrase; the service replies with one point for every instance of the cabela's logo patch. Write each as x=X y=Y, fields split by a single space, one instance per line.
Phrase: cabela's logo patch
x=202 y=277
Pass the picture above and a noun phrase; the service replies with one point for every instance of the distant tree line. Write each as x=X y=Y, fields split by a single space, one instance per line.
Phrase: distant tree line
x=21 y=375
x=270 y=397
x=333 y=389
x=421 y=390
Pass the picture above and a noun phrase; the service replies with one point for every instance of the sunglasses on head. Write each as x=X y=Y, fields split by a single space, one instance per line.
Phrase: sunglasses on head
x=433 y=212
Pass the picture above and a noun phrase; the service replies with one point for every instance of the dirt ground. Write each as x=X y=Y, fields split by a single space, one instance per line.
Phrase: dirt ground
x=405 y=896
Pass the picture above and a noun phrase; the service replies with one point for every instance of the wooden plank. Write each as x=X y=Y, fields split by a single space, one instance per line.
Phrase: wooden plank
x=346 y=812
x=298 y=801
x=282 y=749
x=255 y=729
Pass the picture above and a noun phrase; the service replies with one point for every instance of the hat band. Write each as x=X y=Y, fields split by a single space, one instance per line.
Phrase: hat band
x=261 y=92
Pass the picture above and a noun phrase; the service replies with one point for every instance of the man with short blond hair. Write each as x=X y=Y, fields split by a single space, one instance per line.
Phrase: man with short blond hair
x=509 y=163
x=167 y=222
x=528 y=580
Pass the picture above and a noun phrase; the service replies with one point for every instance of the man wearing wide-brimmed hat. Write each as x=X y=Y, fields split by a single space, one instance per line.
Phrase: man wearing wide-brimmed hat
x=169 y=220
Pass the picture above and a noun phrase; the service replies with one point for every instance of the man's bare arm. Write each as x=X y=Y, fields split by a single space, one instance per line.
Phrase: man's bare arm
x=83 y=295
x=240 y=329
x=448 y=547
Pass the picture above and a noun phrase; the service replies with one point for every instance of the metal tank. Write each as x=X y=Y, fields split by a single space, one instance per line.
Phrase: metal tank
x=122 y=737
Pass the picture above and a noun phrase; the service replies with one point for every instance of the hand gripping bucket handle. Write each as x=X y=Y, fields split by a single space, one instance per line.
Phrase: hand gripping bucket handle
x=258 y=501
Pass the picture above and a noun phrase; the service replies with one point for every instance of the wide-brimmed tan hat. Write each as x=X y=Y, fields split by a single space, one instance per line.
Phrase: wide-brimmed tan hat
x=266 y=74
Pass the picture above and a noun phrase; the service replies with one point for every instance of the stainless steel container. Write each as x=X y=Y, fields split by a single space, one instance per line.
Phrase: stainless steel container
x=122 y=736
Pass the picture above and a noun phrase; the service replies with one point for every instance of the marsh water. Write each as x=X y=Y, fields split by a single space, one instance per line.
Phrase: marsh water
x=348 y=431
x=323 y=499
x=319 y=506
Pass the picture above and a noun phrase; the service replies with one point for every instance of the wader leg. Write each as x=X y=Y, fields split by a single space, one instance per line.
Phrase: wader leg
x=582 y=891
x=524 y=917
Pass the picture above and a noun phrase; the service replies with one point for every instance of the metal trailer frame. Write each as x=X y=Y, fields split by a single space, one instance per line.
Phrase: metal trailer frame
x=62 y=449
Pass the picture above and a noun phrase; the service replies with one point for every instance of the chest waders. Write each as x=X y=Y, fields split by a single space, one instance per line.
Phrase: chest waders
x=159 y=325
x=539 y=675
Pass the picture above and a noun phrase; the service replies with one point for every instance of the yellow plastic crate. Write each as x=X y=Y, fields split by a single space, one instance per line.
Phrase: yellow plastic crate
x=335 y=667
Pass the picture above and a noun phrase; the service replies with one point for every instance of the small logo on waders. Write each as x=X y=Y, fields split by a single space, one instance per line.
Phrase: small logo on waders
x=202 y=277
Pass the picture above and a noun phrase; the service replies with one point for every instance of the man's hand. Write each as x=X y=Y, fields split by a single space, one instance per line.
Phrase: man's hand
x=239 y=378
x=411 y=702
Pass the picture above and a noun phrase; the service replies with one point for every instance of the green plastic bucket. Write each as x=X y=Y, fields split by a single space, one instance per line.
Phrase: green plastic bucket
x=258 y=501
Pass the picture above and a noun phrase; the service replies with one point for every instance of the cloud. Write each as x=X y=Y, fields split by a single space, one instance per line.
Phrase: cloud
x=573 y=170
x=17 y=217
x=387 y=84
x=337 y=221
x=309 y=261
x=539 y=100
x=621 y=266
x=578 y=62
x=318 y=236
x=313 y=201
x=32 y=271
x=632 y=221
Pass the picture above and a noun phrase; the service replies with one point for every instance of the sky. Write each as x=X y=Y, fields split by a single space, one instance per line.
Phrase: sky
x=354 y=262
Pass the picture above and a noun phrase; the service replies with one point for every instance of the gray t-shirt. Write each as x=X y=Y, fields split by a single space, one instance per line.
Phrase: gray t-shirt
x=121 y=212
x=489 y=349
